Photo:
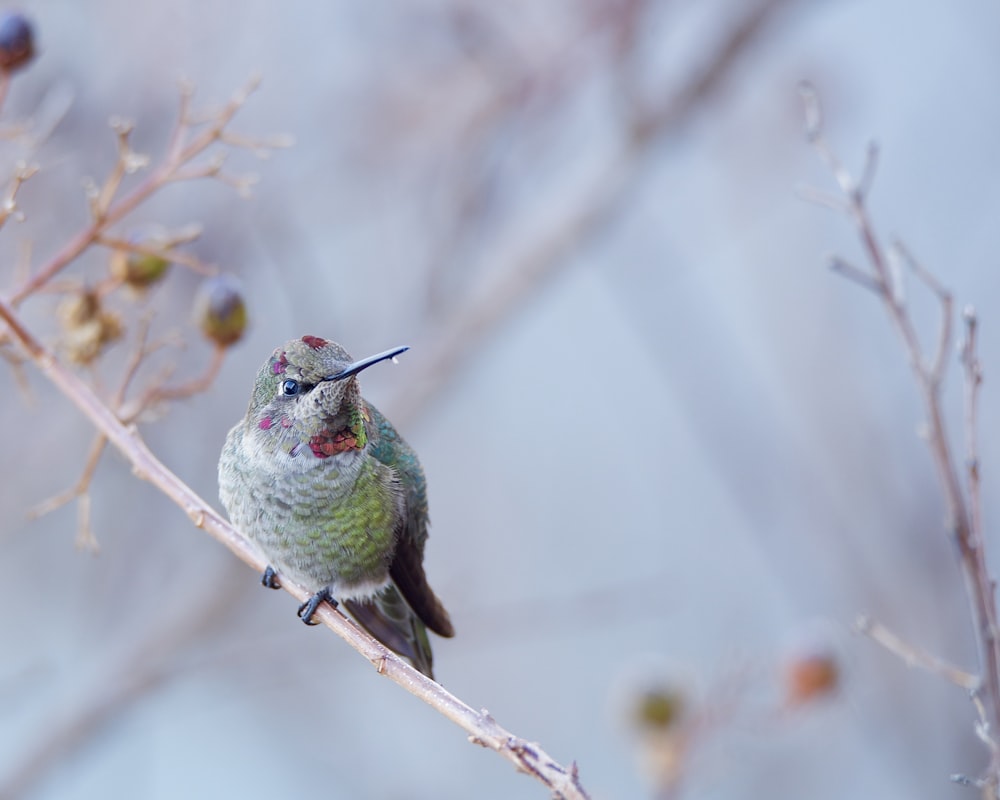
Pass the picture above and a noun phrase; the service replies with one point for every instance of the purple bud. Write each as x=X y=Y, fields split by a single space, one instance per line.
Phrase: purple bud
x=17 y=41
x=220 y=311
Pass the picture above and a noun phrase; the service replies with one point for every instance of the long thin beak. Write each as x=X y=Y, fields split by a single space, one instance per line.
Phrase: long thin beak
x=364 y=363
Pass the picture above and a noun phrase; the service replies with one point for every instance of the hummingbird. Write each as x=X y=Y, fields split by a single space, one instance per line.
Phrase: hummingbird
x=333 y=497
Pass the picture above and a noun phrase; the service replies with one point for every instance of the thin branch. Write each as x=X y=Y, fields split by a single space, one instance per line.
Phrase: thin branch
x=913 y=657
x=165 y=251
x=868 y=171
x=180 y=153
x=127 y=413
x=140 y=352
x=856 y=274
x=261 y=148
x=820 y=198
x=16 y=364
x=159 y=394
x=973 y=381
x=85 y=538
x=482 y=728
x=80 y=491
x=128 y=162
x=935 y=370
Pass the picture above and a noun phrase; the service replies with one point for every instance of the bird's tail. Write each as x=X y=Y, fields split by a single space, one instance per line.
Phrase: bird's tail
x=389 y=618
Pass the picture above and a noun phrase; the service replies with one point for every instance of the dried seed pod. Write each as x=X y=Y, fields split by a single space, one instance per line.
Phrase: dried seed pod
x=88 y=328
x=220 y=311
x=78 y=309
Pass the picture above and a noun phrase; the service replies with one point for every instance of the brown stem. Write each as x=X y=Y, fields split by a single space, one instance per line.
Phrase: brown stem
x=481 y=727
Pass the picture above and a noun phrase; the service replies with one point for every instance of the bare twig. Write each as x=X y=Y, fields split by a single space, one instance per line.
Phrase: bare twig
x=482 y=728
x=973 y=381
x=185 y=146
x=868 y=171
x=159 y=394
x=85 y=538
x=935 y=369
x=856 y=274
x=140 y=352
x=16 y=364
x=818 y=197
x=913 y=657
x=127 y=414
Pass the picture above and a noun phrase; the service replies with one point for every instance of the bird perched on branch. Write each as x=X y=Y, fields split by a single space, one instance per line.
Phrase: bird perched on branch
x=333 y=496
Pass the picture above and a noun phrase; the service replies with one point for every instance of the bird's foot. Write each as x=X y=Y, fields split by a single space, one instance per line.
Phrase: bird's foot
x=270 y=578
x=308 y=608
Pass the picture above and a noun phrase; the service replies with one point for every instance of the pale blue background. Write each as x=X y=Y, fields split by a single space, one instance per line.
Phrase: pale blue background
x=690 y=450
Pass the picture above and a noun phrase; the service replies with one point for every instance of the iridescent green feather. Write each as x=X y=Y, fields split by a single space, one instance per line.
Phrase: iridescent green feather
x=392 y=450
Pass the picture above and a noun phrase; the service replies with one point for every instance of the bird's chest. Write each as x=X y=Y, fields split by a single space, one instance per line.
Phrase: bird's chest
x=333 y=524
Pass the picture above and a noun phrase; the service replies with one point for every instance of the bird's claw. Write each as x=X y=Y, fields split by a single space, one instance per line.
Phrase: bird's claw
x=308 y=608
x=270 y=578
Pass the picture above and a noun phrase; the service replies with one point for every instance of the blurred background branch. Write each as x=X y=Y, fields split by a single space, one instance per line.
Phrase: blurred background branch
x=964 y=521
x=518 y=270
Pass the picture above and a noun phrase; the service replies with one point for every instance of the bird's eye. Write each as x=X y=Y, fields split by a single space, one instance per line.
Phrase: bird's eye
x=290 y=388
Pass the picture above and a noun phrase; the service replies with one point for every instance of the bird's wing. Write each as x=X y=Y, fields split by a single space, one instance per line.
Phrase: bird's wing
x=407 y=568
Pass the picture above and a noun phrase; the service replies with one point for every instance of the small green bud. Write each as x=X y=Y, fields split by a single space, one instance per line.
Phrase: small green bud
x=220 y=311
x=17 y=41
x=138 y=270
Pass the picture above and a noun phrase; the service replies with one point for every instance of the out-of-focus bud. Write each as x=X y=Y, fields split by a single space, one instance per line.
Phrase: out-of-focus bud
x=810 y=675
x=220 y=311
x=17 y=41
x=88 y=328
x=661 y=712
x=659 y=708
x=139 y=270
